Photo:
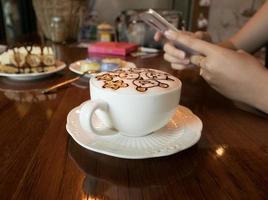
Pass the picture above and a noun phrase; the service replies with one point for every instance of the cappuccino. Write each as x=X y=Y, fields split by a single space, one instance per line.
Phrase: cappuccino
x=136 y=81
x=134 y=101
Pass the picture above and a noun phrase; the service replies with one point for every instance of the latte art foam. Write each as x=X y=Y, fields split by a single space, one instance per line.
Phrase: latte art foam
x=141 y=80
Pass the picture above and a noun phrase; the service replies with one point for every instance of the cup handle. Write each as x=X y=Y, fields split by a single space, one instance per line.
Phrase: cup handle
x=86 y=113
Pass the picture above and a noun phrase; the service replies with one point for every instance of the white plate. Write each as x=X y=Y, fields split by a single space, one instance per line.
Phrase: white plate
x=76 y=68
x=182 y=132
x=32 y=76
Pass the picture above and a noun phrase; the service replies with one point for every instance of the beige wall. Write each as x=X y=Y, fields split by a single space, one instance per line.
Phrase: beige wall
x=226 y=17
x=111 y=8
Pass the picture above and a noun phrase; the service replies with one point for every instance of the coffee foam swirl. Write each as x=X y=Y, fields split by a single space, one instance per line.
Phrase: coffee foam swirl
x=141 y=80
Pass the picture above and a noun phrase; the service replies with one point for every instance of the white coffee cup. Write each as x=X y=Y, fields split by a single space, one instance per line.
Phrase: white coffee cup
x=133 y=101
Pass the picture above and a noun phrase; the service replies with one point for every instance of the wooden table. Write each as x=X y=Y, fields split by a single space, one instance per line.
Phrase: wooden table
x=39 y=160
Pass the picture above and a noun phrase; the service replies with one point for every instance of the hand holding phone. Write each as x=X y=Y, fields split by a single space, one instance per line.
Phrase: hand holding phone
x=156 y=21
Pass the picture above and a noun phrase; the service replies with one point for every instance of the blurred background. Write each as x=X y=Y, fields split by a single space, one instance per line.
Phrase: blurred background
x=91 y=20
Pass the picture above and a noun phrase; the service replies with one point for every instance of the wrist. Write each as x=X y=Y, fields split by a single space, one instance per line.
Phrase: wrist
x=228 y=44
x=260 y=100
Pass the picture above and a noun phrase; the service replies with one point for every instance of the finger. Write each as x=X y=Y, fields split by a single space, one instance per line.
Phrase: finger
x=206 y=75
x=171 y=50
x=201 y=72
x=188 y=33
x=203 y=36
x=199 y=61
x=158 y=36
x=178 y=66
x=201 y=46
x=199 y=35
x=175 y=60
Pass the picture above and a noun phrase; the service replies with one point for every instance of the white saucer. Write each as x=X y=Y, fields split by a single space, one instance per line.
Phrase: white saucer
x=182 y=132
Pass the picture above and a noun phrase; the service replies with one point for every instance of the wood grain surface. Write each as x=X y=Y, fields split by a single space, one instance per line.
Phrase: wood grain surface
x=39 y=160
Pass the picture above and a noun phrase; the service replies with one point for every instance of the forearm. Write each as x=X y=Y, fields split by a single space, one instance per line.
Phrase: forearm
x=253 y=35
x=227 y=44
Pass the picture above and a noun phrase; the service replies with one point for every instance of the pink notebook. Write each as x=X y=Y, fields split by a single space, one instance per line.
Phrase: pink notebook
x=114 y=48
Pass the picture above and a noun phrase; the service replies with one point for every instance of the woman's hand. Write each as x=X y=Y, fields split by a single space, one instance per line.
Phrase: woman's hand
x=236 y=75
x=177 y=57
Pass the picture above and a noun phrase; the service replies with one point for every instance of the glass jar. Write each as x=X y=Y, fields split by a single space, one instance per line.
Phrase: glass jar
x=136 y=31
x=105 y=32
x=58 y=29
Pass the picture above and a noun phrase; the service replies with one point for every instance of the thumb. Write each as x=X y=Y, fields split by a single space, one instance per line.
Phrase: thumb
x=205 y=48
x=203 y=36
x=199 y=60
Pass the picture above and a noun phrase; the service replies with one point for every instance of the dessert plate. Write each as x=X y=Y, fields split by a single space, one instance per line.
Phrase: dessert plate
x=2 y=48
x=76 y=67
x=32 y=76
x=182 y=132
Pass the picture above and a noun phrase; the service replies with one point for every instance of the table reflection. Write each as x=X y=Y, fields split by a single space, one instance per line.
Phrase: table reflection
x=108 y=177
x=31 y=91
x=220 y=150
x=29 y=96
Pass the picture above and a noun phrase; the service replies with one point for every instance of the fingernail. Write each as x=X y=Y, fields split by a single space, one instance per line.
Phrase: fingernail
x=169 y=34
x=182 y=54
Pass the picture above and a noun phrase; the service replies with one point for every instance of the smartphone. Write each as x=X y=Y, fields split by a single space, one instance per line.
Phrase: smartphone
x=159 y=23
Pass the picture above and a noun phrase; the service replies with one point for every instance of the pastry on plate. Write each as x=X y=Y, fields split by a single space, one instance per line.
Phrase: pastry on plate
x=27 y=59
x=89 y=65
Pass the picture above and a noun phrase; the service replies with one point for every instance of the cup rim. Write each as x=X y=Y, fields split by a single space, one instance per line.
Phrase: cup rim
x=178 y=87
